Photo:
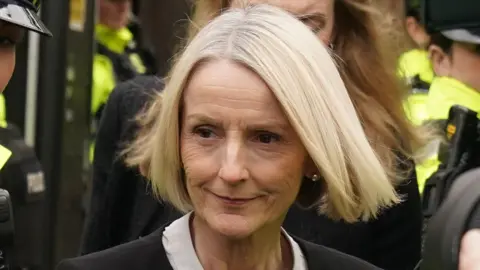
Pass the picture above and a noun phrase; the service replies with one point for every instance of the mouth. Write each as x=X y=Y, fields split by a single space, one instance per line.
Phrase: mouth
x=233 y=200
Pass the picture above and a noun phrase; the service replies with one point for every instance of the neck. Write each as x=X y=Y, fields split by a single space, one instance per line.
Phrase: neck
x=265 y=249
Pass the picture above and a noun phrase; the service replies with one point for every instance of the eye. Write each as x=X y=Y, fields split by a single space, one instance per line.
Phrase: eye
x=204 y=132
x=267 y=137
x=7 y=42
x=315 y=22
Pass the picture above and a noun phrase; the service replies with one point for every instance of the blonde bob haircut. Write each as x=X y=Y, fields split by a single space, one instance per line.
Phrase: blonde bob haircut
x=305 y=80
x=368 y=42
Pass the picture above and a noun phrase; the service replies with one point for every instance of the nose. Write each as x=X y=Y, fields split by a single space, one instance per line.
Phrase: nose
x=233 y=169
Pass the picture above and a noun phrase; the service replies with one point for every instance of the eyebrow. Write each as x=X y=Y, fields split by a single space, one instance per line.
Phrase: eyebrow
x=315 y=17
x=203 y=118
x=260 y=125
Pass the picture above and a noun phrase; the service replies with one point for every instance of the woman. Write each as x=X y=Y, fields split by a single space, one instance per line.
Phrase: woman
x=352 y=30
x=254 y=104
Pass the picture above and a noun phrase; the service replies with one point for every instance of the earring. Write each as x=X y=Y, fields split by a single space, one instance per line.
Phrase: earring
x=315 y=178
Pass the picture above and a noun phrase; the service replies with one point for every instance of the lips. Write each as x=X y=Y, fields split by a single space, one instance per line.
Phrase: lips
x=234 y=200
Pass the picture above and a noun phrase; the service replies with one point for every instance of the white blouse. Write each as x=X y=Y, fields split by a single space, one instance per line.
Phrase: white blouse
x=181 y=254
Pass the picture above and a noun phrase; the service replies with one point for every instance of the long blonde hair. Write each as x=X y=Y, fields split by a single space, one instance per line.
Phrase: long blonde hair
x=303 y=77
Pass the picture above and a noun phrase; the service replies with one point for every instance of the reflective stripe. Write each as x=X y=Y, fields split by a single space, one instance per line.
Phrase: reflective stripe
x=137 y=63
x=3 y=112
x=5 y=154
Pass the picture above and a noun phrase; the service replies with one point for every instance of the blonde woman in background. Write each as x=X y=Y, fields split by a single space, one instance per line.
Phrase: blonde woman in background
x=254 y=104
x=361 y=40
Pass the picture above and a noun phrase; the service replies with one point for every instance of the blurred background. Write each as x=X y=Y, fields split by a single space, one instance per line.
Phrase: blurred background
x=49 y=100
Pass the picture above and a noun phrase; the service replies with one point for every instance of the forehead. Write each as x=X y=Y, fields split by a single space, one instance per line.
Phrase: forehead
x=230 y=87
x=11 y=31
x=297 y=7
x=218 y=76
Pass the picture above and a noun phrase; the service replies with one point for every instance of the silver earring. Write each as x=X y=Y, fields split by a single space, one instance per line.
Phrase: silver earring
x=315 y=178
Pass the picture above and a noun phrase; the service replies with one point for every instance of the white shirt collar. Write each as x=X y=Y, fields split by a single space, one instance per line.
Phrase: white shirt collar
x=181 y=254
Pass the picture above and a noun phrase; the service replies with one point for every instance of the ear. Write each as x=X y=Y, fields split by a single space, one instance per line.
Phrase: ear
x=144 y=168
x=441 y=61
x=410 y=26
x=310 y=168
x=310 y=192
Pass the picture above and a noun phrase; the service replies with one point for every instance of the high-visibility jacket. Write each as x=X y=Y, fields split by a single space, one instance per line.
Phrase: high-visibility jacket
x=415 y=68
x=115 y=61
x=415 y=63
x=443 y=94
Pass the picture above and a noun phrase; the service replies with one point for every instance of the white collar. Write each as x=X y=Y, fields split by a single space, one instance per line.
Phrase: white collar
x=181 y=254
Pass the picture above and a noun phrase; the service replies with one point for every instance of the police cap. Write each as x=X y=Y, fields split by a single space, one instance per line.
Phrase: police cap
x=24 y=14
x=458 y=20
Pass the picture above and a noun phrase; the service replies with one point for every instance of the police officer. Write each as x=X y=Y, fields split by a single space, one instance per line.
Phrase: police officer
x=454 y=27
x=17 y=161
x=16 y=16
x=117 y=58
x=414 y=65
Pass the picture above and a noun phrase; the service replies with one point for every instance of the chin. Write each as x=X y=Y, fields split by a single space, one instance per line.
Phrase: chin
x=232 y=225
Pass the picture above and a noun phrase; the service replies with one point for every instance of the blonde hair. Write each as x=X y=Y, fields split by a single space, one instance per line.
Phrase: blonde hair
x=303 y=77
x=369 y=44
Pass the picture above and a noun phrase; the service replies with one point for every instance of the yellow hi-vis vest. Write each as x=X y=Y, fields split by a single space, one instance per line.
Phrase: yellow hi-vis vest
x=443 y=94
x=413 y=65
x=104 y=77
x=415 y=62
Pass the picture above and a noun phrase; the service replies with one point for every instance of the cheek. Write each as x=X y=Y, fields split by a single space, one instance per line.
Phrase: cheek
x=280 y=175
x=325 y=35
x=198 y=163
x=7 y=65
x=466 y=69
x=474 y=66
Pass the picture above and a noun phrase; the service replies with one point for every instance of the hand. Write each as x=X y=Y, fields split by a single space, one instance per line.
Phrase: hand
x=470 y=251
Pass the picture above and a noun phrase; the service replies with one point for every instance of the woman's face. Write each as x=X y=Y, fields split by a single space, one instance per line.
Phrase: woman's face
x=10 y=35
x=317 y=14
x=243 y=160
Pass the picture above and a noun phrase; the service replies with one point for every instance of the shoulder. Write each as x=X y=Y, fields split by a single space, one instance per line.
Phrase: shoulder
x=140 y=88
x=140 y=254
x=131 y=97
x=407 y=188
x=320 y=257
x=141 y=83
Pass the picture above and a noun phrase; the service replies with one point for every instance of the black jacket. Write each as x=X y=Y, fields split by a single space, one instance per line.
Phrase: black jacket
x=148 y=253
x=120 y=208
x=123 y=209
